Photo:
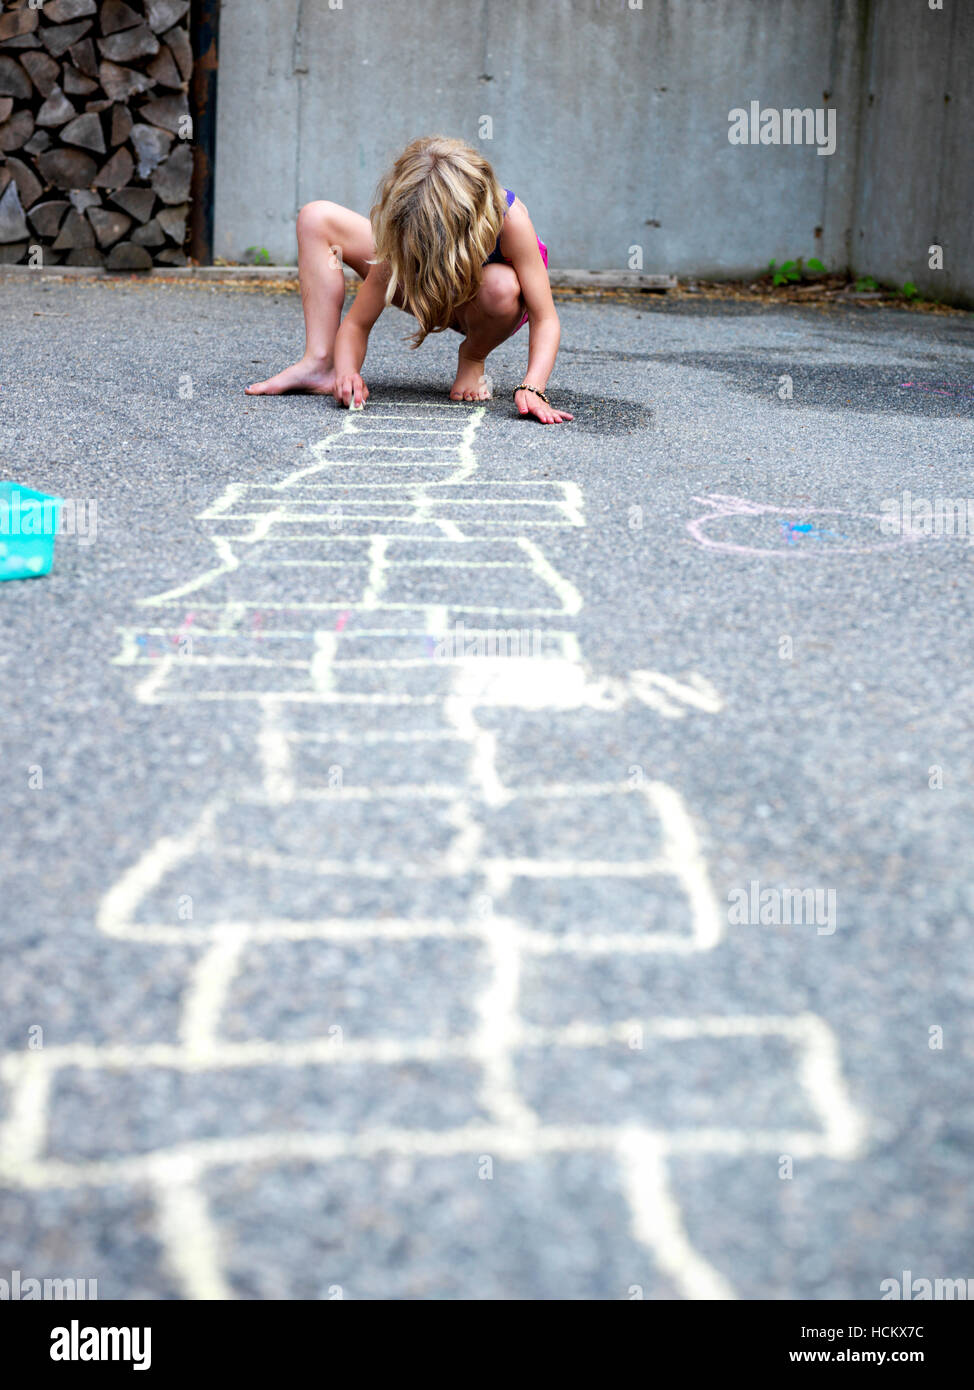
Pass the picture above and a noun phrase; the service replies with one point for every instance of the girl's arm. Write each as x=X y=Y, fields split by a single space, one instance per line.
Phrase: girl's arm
x=352 y=338
x=519 y=243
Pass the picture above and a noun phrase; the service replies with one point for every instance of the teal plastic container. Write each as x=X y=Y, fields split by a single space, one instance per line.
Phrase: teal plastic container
x=28 y=526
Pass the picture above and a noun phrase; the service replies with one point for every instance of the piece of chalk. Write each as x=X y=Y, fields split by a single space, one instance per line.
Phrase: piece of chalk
x=352 y=405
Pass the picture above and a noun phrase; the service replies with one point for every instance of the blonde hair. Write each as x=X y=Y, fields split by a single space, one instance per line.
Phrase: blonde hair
x=437 y=216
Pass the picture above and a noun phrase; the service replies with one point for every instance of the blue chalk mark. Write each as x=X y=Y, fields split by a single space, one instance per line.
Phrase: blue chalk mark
x=791 y=530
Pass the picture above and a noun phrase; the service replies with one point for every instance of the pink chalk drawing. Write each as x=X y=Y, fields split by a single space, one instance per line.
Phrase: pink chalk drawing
x=939 y=390
x=184 y=627
x=803 y=530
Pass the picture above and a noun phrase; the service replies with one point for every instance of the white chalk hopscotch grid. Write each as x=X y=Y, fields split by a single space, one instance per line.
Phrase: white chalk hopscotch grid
x=320 y=614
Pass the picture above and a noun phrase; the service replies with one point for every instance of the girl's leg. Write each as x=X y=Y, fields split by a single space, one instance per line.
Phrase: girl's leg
x=327 y=234
x=490 y=318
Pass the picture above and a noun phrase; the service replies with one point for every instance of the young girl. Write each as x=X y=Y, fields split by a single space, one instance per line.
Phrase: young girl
x=449 y=245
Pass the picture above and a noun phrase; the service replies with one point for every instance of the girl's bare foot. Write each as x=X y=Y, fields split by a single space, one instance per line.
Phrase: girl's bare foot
x=309 y=374
x=471 y=383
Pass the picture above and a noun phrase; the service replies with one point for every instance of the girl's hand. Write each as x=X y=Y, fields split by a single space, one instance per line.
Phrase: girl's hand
x=350 y=389
x=530 y=404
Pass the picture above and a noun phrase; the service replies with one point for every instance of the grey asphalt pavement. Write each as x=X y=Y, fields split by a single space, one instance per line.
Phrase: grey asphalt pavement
x=346 y=956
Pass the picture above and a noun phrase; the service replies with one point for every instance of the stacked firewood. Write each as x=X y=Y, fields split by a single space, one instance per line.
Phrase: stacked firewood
x=96 y=149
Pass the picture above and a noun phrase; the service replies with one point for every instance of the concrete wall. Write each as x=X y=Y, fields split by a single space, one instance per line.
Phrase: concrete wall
x=611 y=123
x=916 y=164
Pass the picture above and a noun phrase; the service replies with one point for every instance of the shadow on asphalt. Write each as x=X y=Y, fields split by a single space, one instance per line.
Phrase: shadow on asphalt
x=593 y=414
x=941 y=388
x=601 y=414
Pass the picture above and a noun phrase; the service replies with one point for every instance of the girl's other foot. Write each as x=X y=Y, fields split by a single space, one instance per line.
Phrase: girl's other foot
x=471 y=383
x=309 y=375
